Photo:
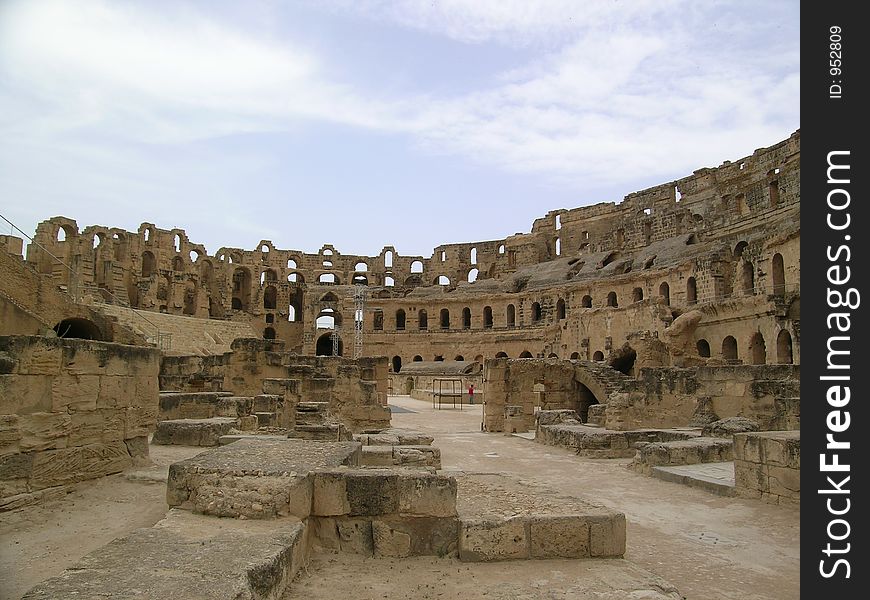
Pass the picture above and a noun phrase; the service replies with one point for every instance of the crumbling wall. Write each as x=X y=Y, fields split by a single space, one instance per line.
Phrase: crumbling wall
x=71 y=410
x=767 y=465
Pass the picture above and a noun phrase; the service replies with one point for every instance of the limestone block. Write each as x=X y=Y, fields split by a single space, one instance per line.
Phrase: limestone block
x=43 y=431
x=16 y=466
x=22 y=394
x=252 y=497
x=784 y=481
x=10 y=434
x=248 y=423
x=69 y=465
x=74 y=392
x=39 y=358
x=82 y=361
x=373 y=492
x=559 y=537
x=330 y=494
x=428 y=536
x=325 y=533
x=116 y=391
x=427 y=495
x=89 y=428
x=750 y=479
x=377 y=456
x=147 y=392
x=747 y=448
x=607 y=536
x=355 y=536
x=483 y=540
x=139 y=421
x=138 y=449
x=387 y=541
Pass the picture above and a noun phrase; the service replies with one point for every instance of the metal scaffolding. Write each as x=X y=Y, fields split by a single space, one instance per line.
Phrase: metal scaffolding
x=359 y=302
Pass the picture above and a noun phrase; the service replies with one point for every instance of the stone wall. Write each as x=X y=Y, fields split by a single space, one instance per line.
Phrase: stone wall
x=767 y=466
x=71 y=410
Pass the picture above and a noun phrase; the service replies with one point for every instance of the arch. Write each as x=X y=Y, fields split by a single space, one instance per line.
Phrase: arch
x=511 y=315
x=501 y=249
x=691 y=290
x=417 y=266
x=397 y=364
x=291 y=313
x=537 y=314
x=637 y=294
x=236 y=304
x=739 y=248
x=501 y=355
x=291 y=263
x=612 y=300
x=400 y=320
x=189 y=298
x=361 y=267
x=241 y=288
x=575 y=356
x=466 y=318
x=586 y=301
x=773 y=192
x=747 y=278
x=359 y=279
x=149 y=264
x=561 y=313
x=389 y=281
x=328 y=319
x=439 y=358
x=327 y=278
x=441 y=280
x=268 y=276
x=472 y=275
x=459 y=358
x=270 y=298
x=324 y=346
x=327 y=264
x=327 y=252
x=478 y=358
x=703 y=347
x=729 y=348
x=146 y=235
x=473 y=256
x=329 y=297
x=598 y=356
x=82 y=329
x=422 y=320
x=413 y=281
x=778 y=275
x=269 y=333
x=388 y=260
x=178 y=264
x=193 y=255
x=552 y=355
x=558 y=247
x=295 y=278
x=757 y=349
x=665 y=293
x=623 y=360
x=417 y=358
x=526 y=354
x=444 y=319
x=177 y=242
x=378 y=320
x=784 y=348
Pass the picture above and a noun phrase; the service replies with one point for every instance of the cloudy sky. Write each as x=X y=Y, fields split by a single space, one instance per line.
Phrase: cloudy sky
x=367 y=122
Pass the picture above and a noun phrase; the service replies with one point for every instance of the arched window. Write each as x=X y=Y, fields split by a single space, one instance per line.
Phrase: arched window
x=487 y=317
x=536 y=312
x=442 y=280
x=389 y=281
x=611 y=300
x=665 y=292
x=445 y=319
x=511 y=315
x=242 y=288
x=501 y=355
x=586 y=302
x=422 y=320
x=747 y=278
x=148 y=263
x=291 y=313
x=575 y=356
x=778 y=275
x=729 y=348
x=703 y=347
x=560 y=309
x=388 y=262
x=783 y=348
x=691 y=291
x=466 y=318
x=474 y=256
x=459 y=358
x=417 y=266
x=267 y=276
x=637 y=294
x=270 y=298
x=378 y=320
x=526 y=354
x=558 y=247
x=417 y=358
x=472 y=275
x=501 y=249
x=598 y=356
x=178 y=264
x=757 y=349
x=327 y=278
x=397 y=364
x=361 y=267
x=400 y=320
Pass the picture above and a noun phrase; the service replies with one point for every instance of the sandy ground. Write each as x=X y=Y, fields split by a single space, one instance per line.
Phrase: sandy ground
x=708 y=547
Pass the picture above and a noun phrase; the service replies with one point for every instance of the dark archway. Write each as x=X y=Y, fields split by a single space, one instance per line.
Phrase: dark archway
x=487 y=317
x=778 y=275
x=525 y=354
x=784 y=348
x=445 y=318
x=400 y=320
x=466 y=318
x=611 y=300
x=757 y=349
x=269 y=333
x=560 y=309
x=623 y=359
x=665 y=292
x=703 y=347
x=586 y=302
x=691 y=291
x=324 y=345
x=82 y=329
x=417 y=358
x=729 y=348
x=501 y=355
x=397 y=364
x=149 y=264
x=270 y=298
x=598 y=356
x=536 y=312
x=511 y=315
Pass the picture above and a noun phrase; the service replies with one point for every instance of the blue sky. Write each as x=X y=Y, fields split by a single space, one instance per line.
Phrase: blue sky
x=365 y=123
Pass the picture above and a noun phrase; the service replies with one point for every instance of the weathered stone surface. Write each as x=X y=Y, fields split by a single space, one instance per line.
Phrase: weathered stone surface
x=682 y=452
x=767 y=466
x=68 y=465
x=427 y=495
x=193 y=432
x=728 y=427
x=188 y=556
x=485 y=540
x=559 y=537
x=330 y=494
x=607 y=536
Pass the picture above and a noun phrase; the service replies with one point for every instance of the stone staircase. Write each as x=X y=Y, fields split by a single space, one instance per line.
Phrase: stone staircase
x=182 y=335
x=313 y=422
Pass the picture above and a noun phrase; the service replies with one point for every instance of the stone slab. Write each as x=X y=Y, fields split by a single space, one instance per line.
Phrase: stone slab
x=717 y=478
x=188 y=556
x=193 y=432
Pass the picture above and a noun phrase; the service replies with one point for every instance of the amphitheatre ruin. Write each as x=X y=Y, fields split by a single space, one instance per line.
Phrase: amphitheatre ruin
x=273 y=423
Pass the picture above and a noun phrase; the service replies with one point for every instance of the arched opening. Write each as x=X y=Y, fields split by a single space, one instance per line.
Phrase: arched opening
x=742 y=205
x=501 y=355
x=270 y=298
x=241 y=288
x=329 y=297
x=778 y=275
x=389 y=281
x=189 y=298
x=378 y=320
x=703 y=347
x=552 y=355
x=360 y=279
x=586 y=301
x=474 y=256
x=478 y=358
x=558 y=247
x=178 y=264
x=525 y=354
x=400 y=320
x=739 y=248
x=511 y=315
x=444 y=319
x=177 y=243
x=422 y=320
x=487 y=317
x=397 y=364
x=148 y=264
x=729 y=348
x=598 y=356
x=417 y=266
x=575 y=356
x=623 y=360
x=691 y=291
x=268 y=276
x=560 y=309
x=466 y=318
x=291 y=264
x=536 y=312
x=783 y=348
x=585 y=399
x=439 y=358
x=472 y=275
x=361 y=267
x=388 y=260
x=327 y=278
x=773 y=190
x=637 y=294
x=295 y=278
x=417 y=358
x=757 y=349
x=747 y=279
x=441 y=280
x=611 y=300
x=291 y=313
x=78 y=328
x=236 y=304
x=459 y=358
x=269 y=333
x=324 y=346
x=665 y=293
x=501 y=249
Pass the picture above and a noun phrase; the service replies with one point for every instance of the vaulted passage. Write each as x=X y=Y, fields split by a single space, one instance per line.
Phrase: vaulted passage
x=78 y=328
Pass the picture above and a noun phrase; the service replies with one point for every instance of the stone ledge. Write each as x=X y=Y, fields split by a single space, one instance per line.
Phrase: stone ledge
x=193 y=432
